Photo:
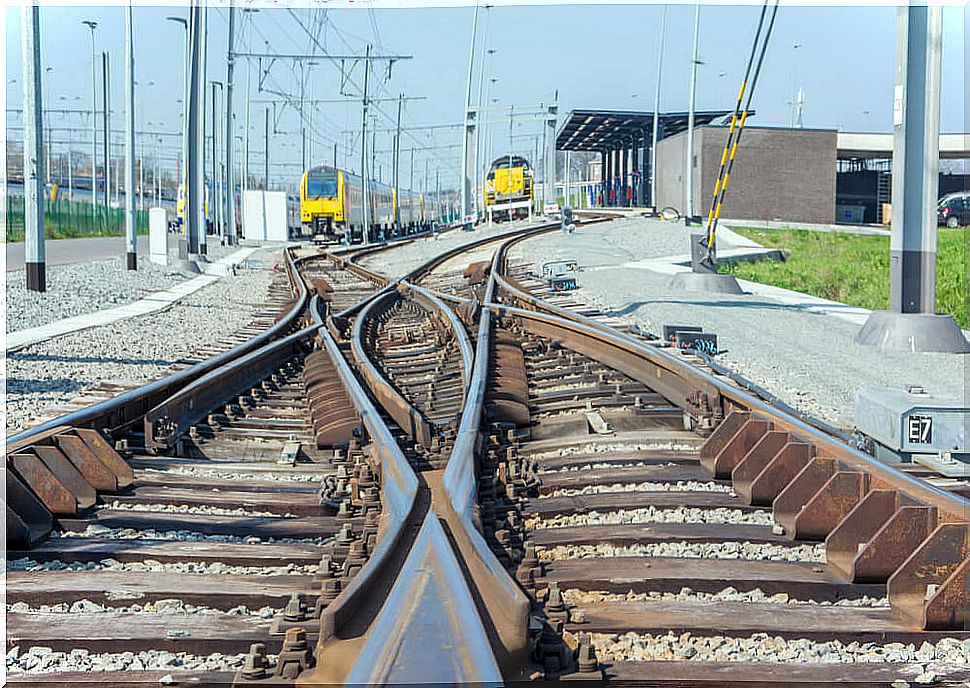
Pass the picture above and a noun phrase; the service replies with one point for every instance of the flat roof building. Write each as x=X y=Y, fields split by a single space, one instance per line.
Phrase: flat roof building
x=787 y=174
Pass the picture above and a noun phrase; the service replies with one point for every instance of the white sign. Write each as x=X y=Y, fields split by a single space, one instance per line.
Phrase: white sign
x=158 y=236
x=264 y=216
x=898 y=106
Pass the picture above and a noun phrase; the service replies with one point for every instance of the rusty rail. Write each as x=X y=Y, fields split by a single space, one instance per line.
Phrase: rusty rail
x=121 y=412
x=879 y=523
x=505 y=606
x=166 y=423
x=342 y=618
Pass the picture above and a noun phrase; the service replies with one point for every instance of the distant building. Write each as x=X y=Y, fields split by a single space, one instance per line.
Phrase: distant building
x=786 y=174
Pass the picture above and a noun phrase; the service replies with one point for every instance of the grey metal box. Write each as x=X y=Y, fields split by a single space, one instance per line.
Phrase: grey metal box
x=912 y=421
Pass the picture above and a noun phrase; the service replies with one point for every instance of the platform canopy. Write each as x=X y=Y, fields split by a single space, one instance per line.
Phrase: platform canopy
x=601 y=130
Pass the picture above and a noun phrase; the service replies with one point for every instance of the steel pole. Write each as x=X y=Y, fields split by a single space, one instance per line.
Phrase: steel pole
x=549 y=167
x=916 y=127
x=912 y=323
x=230 y=176
x=479 y=182
x=656 y=111
x=34 y=251
x=194 y=210
x=214 y=174
x=397 y=158
x=203 y=52
x=689 y=161
x=105 y=103
x=365 y=238
x=131 y=217
x=469 y=139
x=94 y=118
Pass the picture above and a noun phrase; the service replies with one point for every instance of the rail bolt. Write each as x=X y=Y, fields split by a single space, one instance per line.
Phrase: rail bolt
x=296 y=655
x=295 y=609
x=586 y=657
x=555 y=606
x=255 y=663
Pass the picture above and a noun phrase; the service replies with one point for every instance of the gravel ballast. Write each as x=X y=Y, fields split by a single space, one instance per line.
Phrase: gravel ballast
x=809 y=360
x=688 y=550
x=397 y=261
x=99 y=531
x=81 y=288
x=43 y=660
x=650 y=514
x=153 y=566
x=762 y=647
x=574 y=596
x=679 y=486
x=135 y=350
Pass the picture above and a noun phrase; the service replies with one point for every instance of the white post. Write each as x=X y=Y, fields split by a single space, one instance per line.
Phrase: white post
x=656 y=111
x=230 y=141
x=363 y=153
x=35 y=255
x=131 y=229
x=689 y=161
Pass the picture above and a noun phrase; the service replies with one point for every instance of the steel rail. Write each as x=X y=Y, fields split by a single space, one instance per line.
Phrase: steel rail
x=410 y=419
x=174 y=416
x=428 y=631
x=399 y=491
x=689 y=376
x=124 y=410
x=464 y=343
x=428 y=585
x=505 y=605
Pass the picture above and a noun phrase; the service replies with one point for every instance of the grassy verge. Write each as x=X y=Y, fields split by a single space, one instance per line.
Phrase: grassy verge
x=854 y=269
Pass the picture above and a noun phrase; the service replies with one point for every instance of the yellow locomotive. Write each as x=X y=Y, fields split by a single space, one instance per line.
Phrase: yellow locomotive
x=508 y=188
x=332 y=207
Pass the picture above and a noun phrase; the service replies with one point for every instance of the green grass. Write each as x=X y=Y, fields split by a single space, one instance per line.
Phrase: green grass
x=854 y=269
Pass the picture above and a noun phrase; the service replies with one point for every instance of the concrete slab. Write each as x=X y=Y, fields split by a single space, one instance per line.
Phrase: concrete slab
x=155 y=302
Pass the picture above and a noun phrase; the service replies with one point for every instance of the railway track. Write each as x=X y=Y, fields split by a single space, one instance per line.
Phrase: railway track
x=462 y=477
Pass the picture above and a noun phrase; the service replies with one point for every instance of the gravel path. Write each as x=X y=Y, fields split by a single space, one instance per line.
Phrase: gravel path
x=809 y=360
x=138 y=350
x=80 y=288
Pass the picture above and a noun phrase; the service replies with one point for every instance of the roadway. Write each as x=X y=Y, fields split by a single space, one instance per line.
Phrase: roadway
x=83 y=250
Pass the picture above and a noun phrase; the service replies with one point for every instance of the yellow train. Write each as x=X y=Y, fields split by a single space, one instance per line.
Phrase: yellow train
x=508 y=188
x=332 y=207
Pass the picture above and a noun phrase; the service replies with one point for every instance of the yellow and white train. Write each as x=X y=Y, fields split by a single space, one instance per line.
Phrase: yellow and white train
x=332 y=207
x=508 y=188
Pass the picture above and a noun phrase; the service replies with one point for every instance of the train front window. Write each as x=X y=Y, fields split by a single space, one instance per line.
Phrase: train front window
x=321 y=187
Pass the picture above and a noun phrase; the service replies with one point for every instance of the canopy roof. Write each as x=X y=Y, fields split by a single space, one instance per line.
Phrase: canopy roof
x=599 y=130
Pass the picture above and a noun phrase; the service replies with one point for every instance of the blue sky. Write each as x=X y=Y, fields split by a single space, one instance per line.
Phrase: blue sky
x=596 y=56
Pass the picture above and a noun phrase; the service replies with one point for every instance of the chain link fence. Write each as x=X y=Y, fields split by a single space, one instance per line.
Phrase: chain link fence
x=64 y=219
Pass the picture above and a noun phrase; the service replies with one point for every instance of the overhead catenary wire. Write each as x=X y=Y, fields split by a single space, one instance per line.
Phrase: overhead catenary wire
x=759 y=47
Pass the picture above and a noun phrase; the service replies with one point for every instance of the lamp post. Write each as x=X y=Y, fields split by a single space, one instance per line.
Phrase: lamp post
x=94 y=118
x=50 y=133
x=689 y=162
x=184 y=153
x=656 y=111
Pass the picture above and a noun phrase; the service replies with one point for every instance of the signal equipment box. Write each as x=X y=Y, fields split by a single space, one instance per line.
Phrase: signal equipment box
x=906 y=425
